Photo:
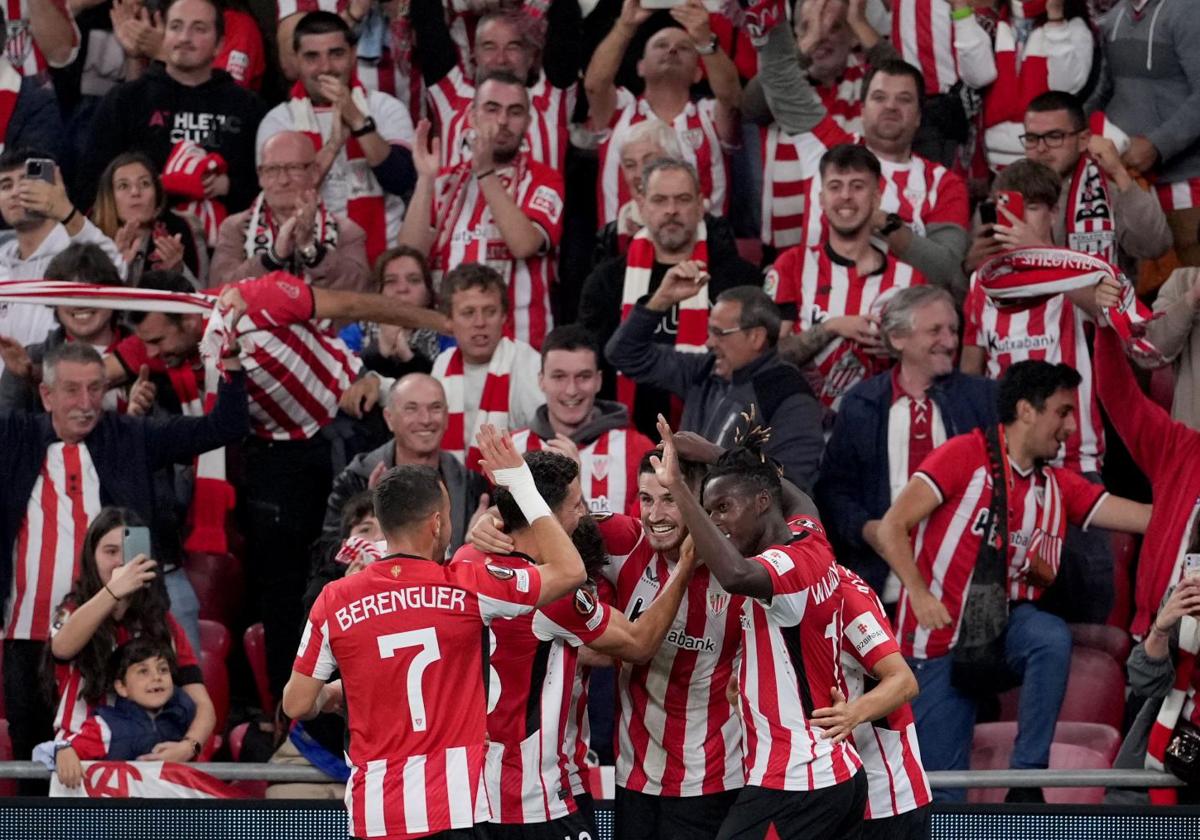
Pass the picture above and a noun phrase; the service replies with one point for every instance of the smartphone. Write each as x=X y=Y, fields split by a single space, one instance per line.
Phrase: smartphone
x=1191 y=565
x=1013 y=202
x=987 y=212
x=137 y=541
x=41 y=169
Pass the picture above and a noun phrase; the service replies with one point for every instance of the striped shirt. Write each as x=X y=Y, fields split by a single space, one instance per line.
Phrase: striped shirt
x=65 y=498
x=790 y=663
x=408 y=636
x=677 y=734
x=697 y=129
x=609 y=467
x=1053 y=331
x=924 y=36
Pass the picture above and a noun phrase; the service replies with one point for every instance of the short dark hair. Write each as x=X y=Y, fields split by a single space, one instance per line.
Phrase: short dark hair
x=589 y=542
x=753 y=468
x=501 y=77
x=570 y=337
x=357 y=508
x=218 y=14
x=137 y=649
x=693 y=471
x=414 y=254
x=1059 y=100
x=84 y=262
x=15 y=158
x=68 y=351
x=666 y=164
x=1036 y=182
x=407 y=495
x=472 y=276
x=896 y=67
x=853 y=157
x=161 y=281
x=552 y=474
x=1035 y=382
x=321 y=23
x=758 y=310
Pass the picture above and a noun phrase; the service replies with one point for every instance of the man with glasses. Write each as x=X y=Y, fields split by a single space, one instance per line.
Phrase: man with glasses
x=288 y=227
x=738 y=383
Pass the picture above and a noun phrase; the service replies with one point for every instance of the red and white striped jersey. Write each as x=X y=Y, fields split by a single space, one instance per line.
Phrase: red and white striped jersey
x=65 y=498
x=609 y=467
x=23 y=53
x=1053 y=331
x=698 y=137
x=813 y=284
x=409 y=637
x=923 y=33
x=472 y=236
x=677 y=734
x=790 y=662
x=896 y=781
x=72 y=710
x=946 y=544
x=549 y=111
x=531 y=775
x=1180 y=195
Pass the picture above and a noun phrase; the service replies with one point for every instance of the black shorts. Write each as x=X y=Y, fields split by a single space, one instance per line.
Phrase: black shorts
x=641 y=816
x=911 y=825
x=826 y=814
x=578 y=826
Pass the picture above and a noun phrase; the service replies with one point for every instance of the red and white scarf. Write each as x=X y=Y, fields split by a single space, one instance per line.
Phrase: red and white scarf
x=367 y=208
x=261 y=228
x=10 y=91
x=1024 y=276
x=1089 y=219
x=183 y=178
x=1163 y=728
x=1016 y=86
x=448 y=369
x=692 y=330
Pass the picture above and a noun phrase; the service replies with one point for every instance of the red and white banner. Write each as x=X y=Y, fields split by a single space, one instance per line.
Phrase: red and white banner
x=143 y=779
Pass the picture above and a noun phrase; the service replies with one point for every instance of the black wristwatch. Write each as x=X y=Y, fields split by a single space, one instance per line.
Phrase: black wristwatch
x=367 y=128
x=893 y=224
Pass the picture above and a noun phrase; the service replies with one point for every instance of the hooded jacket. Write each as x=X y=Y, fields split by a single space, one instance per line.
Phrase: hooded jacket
x=124 y=731
x=608 y=415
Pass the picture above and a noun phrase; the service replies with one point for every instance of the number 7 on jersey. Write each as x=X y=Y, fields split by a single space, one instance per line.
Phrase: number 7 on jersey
x=426 y=640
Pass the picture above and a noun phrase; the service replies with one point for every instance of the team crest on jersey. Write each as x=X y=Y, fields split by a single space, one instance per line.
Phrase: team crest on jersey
x=395 y=570
x=718 y=602
x=500 y=572
x=600 y=467
x=810 y=524
x=771 y=284
x=694 y=137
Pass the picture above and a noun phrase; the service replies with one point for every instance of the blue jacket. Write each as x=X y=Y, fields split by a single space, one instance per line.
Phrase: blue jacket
x=135 y=732
x=854 y=486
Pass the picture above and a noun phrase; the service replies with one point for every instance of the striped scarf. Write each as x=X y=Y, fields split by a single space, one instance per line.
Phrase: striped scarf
x=1015 y=87
x=1025 y=276
x=367 y=208
x=1044 y=554
x=183 y=178
x=10 y=91
x=603 y=467
x=493 y=402
x=261 y=228
x=1171 y=710
x=692 y=329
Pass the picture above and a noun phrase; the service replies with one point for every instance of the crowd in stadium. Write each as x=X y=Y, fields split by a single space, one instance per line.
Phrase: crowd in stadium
x=774 y=399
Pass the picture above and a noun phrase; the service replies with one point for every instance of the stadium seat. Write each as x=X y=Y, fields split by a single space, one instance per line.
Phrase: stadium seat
x=1095 y=690
x=1095 y=736
x=751 y=250
x=1112 y=640
x=1124 y=548
x=1162 y=386
x=214 y=647
x=992 y=750
x=8 y=787
x=218 y=581
x=256 y=655
x=236 y=737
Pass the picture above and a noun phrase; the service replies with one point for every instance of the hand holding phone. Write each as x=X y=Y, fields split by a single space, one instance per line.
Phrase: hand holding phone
x=40 y=169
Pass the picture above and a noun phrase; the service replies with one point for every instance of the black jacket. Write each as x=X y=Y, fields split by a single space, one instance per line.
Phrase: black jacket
x=153 y=113
x=126 y=452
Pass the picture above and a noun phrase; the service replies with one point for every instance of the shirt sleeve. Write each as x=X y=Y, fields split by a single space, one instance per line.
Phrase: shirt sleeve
x=578 y=619
x=951 y=206
x=867 y=635
x=503 y=592
x=92 y=740
x=543 y=204
x=621 y=535
x=972 y=335
x=948 y=469
x=277 y=299
x=186 y=661
x=392 y=120
x=783 y=282
x=802 y=572
x=315 y=657
x=1081 y=498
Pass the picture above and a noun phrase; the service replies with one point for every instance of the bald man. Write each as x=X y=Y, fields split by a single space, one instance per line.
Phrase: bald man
x=415 y=412
x=288 y=226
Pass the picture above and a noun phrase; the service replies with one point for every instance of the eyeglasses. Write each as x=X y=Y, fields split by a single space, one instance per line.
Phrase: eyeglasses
x=294 y=170
x=717 y=332
x=1052 y=139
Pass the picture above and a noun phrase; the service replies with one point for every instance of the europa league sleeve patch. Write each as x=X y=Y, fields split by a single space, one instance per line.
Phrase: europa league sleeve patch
x=585 y=602
x=500 y=572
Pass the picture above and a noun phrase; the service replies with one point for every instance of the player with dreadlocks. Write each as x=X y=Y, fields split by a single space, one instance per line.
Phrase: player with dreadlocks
x=798 y=782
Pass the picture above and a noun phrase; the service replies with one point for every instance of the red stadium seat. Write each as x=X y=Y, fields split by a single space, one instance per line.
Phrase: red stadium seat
x=8 y=787
x=218 y=581
x=256 y=653
x=1095 y=736
x=237 y=737
x=750 y=249
x=992 y=750
x=1162 y=386
x=1112 y=640
x=1124 y=548
x=214 y=647
x=1095 y=690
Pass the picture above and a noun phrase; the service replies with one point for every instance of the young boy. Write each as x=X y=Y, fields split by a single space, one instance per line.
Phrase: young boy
x=149 y=710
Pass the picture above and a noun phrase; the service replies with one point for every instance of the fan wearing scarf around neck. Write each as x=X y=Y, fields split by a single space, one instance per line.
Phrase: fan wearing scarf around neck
x=289 y=228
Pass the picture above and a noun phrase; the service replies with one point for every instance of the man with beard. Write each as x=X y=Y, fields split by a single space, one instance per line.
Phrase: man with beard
x=538 y=696
x=500 y=207
x=831 y=295
x=674 y=233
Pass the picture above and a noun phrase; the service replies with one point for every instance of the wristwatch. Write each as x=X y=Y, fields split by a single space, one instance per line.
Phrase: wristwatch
x=309 y=254
x=710 y=47
x=893 y=224
x=367 y=128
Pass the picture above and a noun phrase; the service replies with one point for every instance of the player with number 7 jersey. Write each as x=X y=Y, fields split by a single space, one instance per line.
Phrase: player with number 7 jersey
x=410 y=637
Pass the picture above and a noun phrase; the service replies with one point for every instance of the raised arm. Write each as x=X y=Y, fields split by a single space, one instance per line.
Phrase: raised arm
x=83 y=623
x=915 y=502
x=718 y=68
x=418 y=230
x=54 y=31
x=600 y=80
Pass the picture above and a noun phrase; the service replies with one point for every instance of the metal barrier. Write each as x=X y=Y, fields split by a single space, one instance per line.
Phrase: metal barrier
x=230 y=771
